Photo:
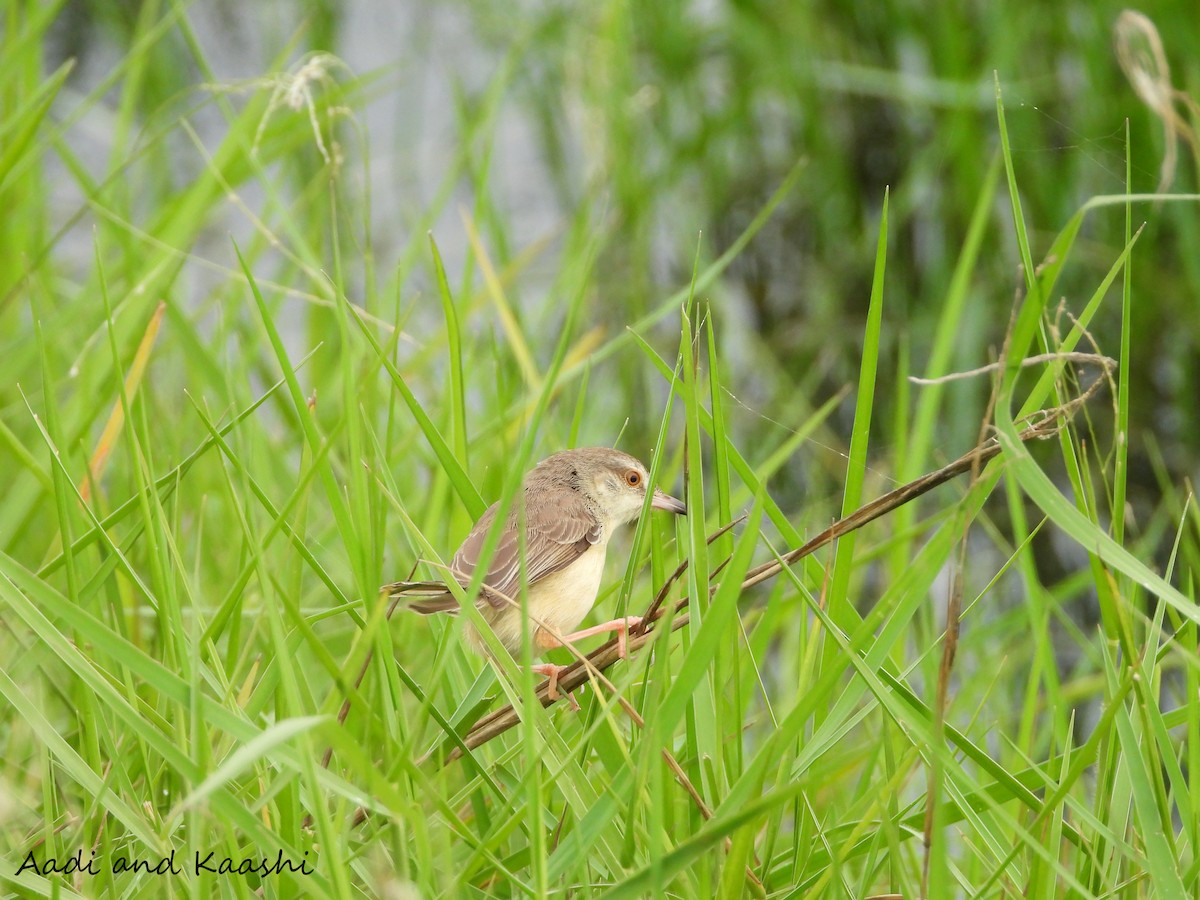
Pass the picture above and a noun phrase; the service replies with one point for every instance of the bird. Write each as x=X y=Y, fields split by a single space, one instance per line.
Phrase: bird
x=570 y=505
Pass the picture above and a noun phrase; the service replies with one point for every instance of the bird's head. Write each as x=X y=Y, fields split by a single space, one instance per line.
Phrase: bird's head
x=615 y=482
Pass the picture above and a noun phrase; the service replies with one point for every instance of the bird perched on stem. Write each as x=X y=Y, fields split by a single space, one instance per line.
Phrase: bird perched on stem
x=572 y=502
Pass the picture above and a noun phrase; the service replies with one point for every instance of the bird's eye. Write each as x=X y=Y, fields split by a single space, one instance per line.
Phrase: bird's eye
x=633 y=478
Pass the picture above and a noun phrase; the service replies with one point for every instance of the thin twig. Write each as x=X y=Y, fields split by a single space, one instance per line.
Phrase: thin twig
x=660 y=597
x=1074 y=356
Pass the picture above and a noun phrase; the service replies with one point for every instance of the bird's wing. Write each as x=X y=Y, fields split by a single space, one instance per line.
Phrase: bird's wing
x=559 y=529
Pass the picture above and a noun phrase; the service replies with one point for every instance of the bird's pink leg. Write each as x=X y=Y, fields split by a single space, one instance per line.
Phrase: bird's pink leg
x=547 y=641
x=551 y=671
x=620 y=626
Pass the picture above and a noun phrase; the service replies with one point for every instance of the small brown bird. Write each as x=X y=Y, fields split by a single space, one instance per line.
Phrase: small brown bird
x=572 y=502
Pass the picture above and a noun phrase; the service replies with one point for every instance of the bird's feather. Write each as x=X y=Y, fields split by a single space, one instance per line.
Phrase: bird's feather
x=424 y=597
x=427 y=607
x=559 y=528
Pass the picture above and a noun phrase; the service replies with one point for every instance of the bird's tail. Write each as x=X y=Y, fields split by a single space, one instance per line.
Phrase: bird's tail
x=424 y=597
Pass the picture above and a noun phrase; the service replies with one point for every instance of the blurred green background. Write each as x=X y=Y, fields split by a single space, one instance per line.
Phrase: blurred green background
x=661 y=130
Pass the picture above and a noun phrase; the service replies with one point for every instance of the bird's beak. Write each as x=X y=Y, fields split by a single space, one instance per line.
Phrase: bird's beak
x=667 y=502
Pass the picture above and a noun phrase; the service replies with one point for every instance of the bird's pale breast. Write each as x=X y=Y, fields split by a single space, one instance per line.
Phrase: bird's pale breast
x=559 y=601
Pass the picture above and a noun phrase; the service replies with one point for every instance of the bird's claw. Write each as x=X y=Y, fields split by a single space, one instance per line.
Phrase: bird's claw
x=623 y=635
x=552 y=672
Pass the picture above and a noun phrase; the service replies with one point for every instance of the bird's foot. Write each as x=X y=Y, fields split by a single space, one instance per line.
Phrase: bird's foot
x=623 y=635
x=551 y=671
x=620 y=626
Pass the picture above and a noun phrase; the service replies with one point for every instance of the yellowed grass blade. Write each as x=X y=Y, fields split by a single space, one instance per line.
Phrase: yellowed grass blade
x=116 y=419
